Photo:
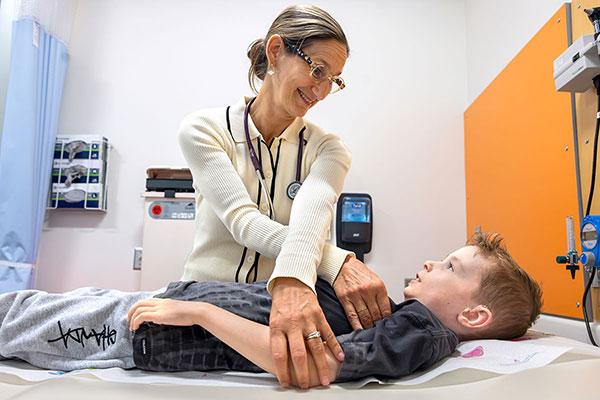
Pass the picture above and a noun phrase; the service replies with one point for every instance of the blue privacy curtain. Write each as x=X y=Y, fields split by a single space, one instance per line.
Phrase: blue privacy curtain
x=37 y=72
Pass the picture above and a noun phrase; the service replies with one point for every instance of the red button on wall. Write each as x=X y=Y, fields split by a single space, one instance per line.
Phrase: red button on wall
x=156 y=209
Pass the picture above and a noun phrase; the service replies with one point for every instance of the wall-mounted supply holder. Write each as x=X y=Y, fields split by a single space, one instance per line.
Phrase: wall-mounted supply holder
x=79 y=173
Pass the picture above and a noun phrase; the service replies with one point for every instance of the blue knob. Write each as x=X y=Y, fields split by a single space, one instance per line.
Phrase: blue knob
x=588 y=259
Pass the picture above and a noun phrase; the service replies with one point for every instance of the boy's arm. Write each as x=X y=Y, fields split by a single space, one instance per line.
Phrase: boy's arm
x=247 y=337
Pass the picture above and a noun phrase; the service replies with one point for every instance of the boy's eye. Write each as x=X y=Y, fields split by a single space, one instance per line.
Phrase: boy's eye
x=450 y=266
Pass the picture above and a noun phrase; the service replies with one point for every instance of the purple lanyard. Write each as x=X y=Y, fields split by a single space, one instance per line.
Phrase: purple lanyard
x=257 y=165
x=253 y=156
x=300 y=148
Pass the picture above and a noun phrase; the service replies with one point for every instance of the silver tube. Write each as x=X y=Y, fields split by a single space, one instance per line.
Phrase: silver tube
x=570 y=235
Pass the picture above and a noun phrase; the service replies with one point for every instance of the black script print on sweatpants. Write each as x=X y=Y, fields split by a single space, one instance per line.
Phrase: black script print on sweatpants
x=103 y=338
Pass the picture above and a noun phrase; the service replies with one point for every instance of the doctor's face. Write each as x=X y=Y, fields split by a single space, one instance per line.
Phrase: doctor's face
x=295 y=89
x=449 y=286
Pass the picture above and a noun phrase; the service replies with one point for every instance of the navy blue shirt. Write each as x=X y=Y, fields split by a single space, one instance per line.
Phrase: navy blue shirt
x=410 y=339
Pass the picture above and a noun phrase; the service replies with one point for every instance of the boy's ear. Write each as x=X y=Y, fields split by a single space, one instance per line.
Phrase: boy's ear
x=475 y=318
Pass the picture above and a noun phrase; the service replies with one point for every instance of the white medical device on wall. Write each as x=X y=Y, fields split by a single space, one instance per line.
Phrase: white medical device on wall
x=576 y=68
x=169 y=225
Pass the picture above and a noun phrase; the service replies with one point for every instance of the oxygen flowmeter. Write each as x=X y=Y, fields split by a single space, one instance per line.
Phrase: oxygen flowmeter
x=354 y=223
x=572 y=257
x=590 y=255
x=590 y=258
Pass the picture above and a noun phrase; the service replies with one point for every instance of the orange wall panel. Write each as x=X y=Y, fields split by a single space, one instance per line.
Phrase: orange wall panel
x=520 y=165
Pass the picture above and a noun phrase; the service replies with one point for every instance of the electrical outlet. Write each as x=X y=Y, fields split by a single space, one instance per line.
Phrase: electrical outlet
x=137 y=258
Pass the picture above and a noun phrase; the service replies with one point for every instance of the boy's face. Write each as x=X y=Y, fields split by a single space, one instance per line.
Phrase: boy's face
x=449 y=286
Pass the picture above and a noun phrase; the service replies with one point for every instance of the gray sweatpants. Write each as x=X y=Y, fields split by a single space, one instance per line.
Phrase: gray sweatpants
x=85 y=328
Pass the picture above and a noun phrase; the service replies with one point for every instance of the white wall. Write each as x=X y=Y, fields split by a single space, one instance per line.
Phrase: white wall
x=496 y=31
x=136 y=69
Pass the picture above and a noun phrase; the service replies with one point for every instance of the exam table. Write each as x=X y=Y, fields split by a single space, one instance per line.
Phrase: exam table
x=573 y=375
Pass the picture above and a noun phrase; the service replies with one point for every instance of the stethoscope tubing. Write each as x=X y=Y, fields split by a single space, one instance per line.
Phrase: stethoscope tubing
x=258 y=167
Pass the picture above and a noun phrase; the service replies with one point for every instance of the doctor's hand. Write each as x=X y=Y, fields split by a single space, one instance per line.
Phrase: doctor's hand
x=295 y=313
x=362 y=294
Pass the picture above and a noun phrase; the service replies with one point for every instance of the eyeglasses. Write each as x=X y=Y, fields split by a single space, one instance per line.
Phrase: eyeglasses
x=320 y=73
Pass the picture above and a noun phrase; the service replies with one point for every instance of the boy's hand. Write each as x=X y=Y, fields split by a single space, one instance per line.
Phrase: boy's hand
x=163 y=312
x=362 y=294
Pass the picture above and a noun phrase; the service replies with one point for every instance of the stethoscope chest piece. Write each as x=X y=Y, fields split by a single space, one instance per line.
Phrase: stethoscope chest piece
x=292 y=189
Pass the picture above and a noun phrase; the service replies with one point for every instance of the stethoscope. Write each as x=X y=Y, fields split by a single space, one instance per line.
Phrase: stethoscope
x=294 y=186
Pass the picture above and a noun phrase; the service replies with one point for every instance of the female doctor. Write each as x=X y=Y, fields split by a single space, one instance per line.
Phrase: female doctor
x=266 y=182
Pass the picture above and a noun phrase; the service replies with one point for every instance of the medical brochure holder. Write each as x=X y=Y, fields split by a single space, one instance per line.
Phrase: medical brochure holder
x=79 y=173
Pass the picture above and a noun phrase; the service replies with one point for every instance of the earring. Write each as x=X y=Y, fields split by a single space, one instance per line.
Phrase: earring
x=270 y=70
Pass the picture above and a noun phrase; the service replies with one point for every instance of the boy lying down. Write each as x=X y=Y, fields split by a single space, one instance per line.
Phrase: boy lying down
x=476 y=292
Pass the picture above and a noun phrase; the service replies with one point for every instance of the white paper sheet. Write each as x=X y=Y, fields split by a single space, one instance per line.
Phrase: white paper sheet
x=497 y=356
x=502 y=357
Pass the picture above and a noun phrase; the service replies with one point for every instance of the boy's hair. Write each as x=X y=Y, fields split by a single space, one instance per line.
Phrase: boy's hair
x=513 y=297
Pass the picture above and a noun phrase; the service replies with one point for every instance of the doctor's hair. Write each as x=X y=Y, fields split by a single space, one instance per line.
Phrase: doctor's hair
x=513 y=297
x=300 y=25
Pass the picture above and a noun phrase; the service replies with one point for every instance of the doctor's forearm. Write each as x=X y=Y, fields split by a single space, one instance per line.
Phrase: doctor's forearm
x=271 y=236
